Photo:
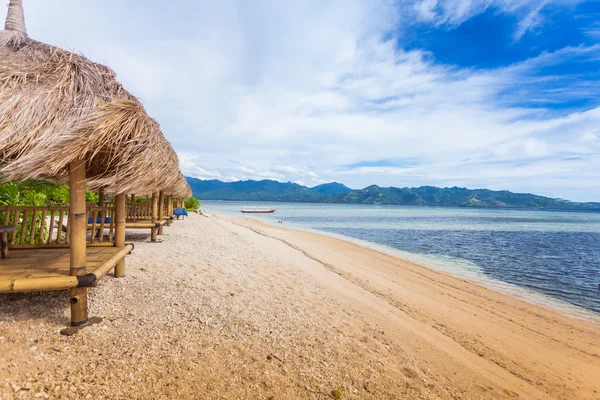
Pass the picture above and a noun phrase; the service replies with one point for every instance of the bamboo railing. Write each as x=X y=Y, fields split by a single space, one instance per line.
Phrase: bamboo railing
x=48 y=226
x=103 y=218
x=141 y=210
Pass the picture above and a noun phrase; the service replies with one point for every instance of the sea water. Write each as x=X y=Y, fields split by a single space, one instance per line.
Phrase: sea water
x=551 y=258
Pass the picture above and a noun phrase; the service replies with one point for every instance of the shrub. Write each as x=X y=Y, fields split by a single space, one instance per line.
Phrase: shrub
x=32 y=198
x=192 y=204
x=10 y=194
x=59 y=194
x=91 y=196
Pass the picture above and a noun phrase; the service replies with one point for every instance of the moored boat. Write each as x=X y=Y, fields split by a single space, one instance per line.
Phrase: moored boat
x=259 y=211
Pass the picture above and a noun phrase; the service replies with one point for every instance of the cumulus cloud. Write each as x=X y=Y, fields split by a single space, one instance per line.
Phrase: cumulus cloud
x=300 y=90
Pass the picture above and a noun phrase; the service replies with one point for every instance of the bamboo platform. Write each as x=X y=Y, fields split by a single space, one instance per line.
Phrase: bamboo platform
x=48 y=269
x=144 y=224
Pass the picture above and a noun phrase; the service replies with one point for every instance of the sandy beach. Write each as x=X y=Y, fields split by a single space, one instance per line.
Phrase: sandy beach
x=229 y=307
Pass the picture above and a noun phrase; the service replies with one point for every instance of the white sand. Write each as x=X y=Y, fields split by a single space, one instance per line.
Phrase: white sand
x=231 y=308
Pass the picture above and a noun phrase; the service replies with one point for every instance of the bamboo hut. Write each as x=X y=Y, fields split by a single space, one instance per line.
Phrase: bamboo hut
x=67 y=119
x=156 y=210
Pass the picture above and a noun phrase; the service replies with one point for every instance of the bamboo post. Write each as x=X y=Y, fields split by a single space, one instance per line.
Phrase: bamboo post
x=78 y=222
x=169 y=209
x=161 y=210
x=133 y=212
x=154 y=215
x=102 y=214
x=101 y=197
x=120 y=214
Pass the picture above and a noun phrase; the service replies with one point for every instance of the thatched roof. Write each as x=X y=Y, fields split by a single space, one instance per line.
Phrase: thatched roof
x=57 y=107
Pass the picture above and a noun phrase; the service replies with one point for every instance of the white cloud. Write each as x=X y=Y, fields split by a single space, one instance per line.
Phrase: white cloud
x=530 y=21
x=593 y=31
x=455 y=12
x=295 y=90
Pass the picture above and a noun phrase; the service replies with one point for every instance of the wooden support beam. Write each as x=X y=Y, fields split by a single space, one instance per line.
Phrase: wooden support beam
x=133 y=212
x=120 y=214
x=154 y=215
x=161 y=209
x=101 y=197
x=169 y=209
x=102 y=215
x=78 y=222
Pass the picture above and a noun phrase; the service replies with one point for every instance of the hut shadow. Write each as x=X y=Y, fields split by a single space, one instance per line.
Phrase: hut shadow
x=48 y=307
x=137 y=236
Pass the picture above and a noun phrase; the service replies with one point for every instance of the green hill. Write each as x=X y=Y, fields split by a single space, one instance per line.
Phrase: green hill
x=268 y=190
x=333 y=188
x=456 y=197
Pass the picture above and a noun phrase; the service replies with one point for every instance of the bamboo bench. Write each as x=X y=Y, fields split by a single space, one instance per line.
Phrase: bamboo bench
x=40 y=239
x=35 y=270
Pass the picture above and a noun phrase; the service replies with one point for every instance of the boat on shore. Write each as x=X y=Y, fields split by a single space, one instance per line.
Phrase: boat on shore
x=259 y=211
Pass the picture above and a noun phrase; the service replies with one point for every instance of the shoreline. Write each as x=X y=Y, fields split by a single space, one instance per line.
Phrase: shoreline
x=228 y=307
x=453 y=307
x=478 y=278
x=215 y=203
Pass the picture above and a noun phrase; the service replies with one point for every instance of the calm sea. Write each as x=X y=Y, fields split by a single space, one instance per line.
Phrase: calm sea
x=551 y=258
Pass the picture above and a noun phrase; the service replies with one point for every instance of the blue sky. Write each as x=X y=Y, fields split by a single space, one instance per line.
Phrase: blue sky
x=503 y=94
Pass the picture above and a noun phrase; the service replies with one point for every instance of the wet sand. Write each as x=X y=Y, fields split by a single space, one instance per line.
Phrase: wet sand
x=229 y=307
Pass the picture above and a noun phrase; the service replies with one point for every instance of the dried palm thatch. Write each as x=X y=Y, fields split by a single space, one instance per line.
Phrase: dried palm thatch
x=57 y=107
x=15 y=20
x=180 y=188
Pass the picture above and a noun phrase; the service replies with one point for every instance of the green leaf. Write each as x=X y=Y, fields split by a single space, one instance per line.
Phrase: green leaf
x=9 y=194
x=192 y=204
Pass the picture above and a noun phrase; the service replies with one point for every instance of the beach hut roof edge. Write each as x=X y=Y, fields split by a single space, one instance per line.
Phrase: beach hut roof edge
x=57 y=106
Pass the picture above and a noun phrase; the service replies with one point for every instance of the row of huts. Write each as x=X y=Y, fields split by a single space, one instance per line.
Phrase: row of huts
x=65 y=118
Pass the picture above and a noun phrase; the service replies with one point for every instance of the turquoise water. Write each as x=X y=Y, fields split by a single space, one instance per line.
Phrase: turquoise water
x=551 y=258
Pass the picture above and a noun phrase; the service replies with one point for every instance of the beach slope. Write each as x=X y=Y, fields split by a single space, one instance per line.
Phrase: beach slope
x=229 y=307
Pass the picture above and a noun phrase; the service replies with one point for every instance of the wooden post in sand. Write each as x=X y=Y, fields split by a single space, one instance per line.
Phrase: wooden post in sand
x=132 y=211
x=120 y=214
x=169 y=209
x=101 y=197
x=161 y=210
x=78 y=222
x=154 y=215
x=101 y=214
x=132 y=207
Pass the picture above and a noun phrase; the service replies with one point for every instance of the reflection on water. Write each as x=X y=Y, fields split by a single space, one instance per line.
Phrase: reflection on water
x=555 y=254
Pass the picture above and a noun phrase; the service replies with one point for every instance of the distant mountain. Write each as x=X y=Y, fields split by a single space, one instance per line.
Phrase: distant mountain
x=200 y=185
x=268 y=190
x=456 y=197
x=333 y=188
